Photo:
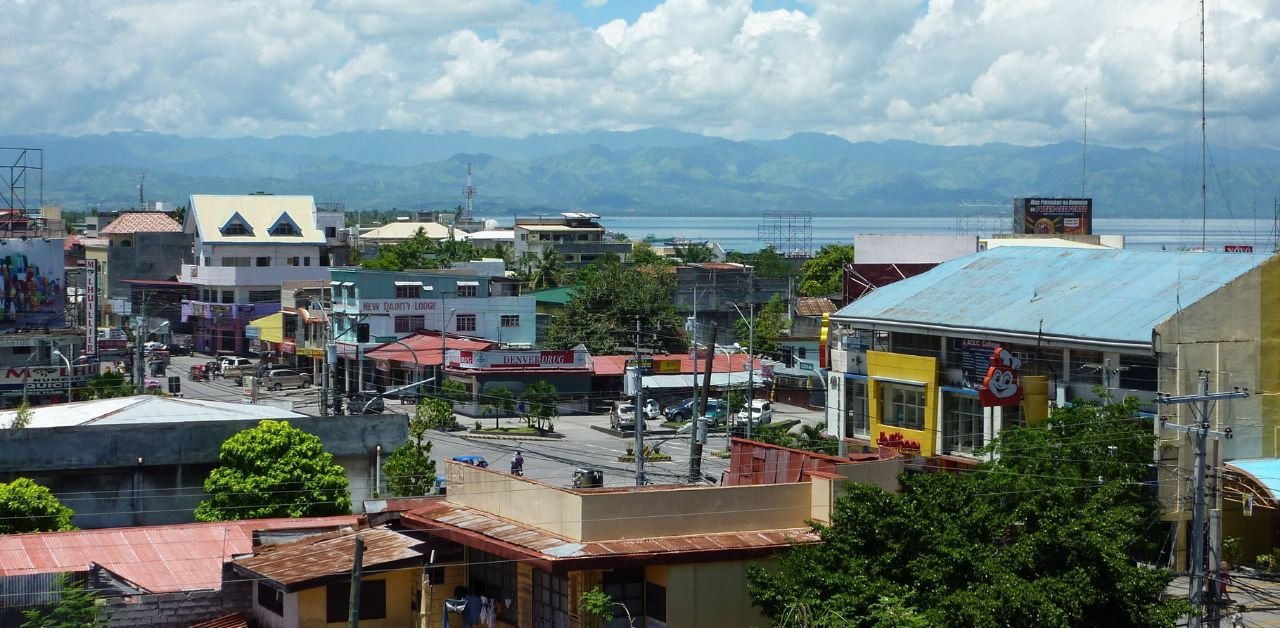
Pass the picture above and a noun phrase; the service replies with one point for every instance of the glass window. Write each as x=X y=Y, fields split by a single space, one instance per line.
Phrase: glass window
x=330 y=232
x=626 y=587
x=962 y=423
x=283 y=228
x=409 y=324
x=306 y=261
x=902 y=405
x=466 y=322
x=510 y=320
x=466 y=291
x=493 y=576
x=235 y=262
x=271 y=599
x=373 y=600
x=235 y=228
x=856 y=422
x=550 y=600
x=264 y=296
x=408 y=292
x=263 y=261
x=228 y=296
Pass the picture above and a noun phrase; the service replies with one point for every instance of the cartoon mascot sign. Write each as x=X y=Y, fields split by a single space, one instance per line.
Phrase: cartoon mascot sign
x=1000 y=387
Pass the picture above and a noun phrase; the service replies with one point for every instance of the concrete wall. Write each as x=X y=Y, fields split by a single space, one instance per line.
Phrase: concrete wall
x=94 y=469
x=556 y=510
x=710 y=594
x=401 y=589
x=156 y=256
x=179 y=610
x=893 y=248
x=695 y=510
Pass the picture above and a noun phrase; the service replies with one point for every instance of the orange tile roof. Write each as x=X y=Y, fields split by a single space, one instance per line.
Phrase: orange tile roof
x=141 y=222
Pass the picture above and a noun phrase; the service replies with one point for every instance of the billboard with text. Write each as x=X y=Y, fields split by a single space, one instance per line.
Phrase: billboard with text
x=1053 y=216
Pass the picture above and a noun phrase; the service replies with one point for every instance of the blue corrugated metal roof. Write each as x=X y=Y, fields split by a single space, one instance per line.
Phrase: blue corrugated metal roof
x=1116 y=295
x=1265 y=470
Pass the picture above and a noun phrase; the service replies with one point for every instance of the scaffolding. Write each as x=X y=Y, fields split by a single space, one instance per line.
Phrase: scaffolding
x=983 y=218
x=789 y=232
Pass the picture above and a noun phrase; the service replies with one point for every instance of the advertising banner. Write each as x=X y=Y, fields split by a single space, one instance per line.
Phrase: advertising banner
x=516 y=359
x=1054 y=216
x=41 y=381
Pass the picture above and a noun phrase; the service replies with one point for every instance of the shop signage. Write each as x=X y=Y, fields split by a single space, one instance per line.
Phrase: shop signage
x=387 y=306
x=1237 y=248
x=667 y=365
x=516 y=359
x=288 y=346
x=347 y=351
x=1001 y=386
x=1054 y=216
x=91 y=306
x=897 y=441
x=41 y=380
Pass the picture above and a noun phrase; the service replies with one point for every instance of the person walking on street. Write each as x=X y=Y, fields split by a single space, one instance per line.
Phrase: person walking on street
x=517 y=464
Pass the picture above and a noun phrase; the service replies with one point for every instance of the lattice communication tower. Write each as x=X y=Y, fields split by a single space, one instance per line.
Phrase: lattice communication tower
x=789 y=232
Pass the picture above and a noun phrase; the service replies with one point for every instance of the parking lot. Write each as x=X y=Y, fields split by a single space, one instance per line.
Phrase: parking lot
x=552 y=460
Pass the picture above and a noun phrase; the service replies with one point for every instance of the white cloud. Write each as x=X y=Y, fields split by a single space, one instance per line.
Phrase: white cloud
x=591 y=4
x=951 y=71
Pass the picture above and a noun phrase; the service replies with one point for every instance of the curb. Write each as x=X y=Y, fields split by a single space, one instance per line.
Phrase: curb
x=631 y=433
x=511 y=436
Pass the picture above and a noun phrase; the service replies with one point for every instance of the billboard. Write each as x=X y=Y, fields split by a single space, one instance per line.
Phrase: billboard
x=1053 y=216
x=515 y=359
x=32 y=283
x=41 y=381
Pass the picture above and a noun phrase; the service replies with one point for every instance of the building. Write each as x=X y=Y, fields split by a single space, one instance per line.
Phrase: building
x=139 y=246
x=373 y=307
x=244 y=248
x=708 y=293
x=415 y=358
x=490 y=239
x=142 y=460
x=578 y=237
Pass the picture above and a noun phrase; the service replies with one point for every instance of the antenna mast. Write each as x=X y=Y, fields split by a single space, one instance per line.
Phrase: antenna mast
x=142 y=181
x=1204 y=142
x=1084 y=149
x=469 y=191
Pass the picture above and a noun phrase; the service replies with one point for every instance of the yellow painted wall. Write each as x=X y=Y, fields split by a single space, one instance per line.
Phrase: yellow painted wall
x=1269 y=357
x=400 y=595
x=914 y=368
x=710 y=594
x=1253 y=531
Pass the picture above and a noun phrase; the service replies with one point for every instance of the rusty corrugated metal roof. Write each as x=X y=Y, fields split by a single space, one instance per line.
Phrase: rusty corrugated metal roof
x=160 y=559
x=234 y=620
x=424 y=349
x=814 y=306
x=327 y=555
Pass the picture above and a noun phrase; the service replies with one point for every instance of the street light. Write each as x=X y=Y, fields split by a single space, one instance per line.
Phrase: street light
x=751 y=360
x=68 y=363
x=368 y=403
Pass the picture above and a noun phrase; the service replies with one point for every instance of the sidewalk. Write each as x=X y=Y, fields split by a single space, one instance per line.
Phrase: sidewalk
x=1252 y=599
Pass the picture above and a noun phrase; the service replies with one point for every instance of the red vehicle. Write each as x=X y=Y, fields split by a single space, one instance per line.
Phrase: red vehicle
x=198 y=373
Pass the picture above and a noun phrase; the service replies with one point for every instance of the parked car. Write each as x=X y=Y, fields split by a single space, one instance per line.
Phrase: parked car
x=717 y=412
x=237 y=369
x=761 y=413
x=357 y=402
x=651 y=410
x=622 y=416
x=178 y=348
x=682 y=411
x=152 y=346
x=277 y=379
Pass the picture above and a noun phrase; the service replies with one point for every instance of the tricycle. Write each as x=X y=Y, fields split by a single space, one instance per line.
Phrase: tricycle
x=198 y=373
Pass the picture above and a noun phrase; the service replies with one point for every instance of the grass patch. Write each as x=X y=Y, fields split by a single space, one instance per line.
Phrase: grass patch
x=675 y=425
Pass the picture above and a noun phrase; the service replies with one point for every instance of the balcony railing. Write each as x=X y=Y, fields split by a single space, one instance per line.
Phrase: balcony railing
x=250 y=275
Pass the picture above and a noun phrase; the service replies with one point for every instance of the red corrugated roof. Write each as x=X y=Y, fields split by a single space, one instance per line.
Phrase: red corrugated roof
x=141 y=222
x=234 y=620
x=615 y=365
x=159 y=559
x=425 y=349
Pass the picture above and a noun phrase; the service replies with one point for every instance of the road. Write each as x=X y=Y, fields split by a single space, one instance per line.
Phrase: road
x=550 y=460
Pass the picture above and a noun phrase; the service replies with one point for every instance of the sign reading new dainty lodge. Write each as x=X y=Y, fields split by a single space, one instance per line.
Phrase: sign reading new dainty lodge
x=516 y=359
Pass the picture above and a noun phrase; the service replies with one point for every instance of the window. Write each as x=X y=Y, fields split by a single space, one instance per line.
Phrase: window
x=510 y=320
x=235 y=262
x=306 y=261
x=283 y=229
x=409 y=324
x=408 y=292
x=236 y=229
x=263 y=261
x=466 y=290
x=22 y=350
x=264 y=296
x=373 y=601
x=330 y=232
x=855 y=408
x=466 y=322
x=206 y=261
x=271 y=599
x=126 y=243
x=362 y=332
x=902 y=405
x=292 y=261
x=324 y=259
x=495 y=577
x=962 y=423
x=550 y=600
x=228 y=296
x=626 y=587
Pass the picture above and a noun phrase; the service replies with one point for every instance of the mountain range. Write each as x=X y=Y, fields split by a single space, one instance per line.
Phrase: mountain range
x=647 y=172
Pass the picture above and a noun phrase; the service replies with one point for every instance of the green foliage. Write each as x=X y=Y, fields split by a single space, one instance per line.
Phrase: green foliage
x=1049 y=534
x=891 y=611
x=809 y=438
x=543 y=271
x=734 y=400
x=769 y=264
x=453 y=390
x=274 y=470
x=420 y=252
x=598 y=604
x=642 y=254
x=500 y=401
x=22 y=417
x=542 y=405
x=77 y=607
x=432 y=413
x=109 y=385
x=409 y=469
x=771 y=322
x=695 y=253
x=28 y=507
x=1232 y=551
x=605 y=305
x=823 y=274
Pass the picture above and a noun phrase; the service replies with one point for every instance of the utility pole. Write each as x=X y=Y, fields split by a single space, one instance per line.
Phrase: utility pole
x=751 y=360
x=353 y=604
x=639 y=381
x=140 y=339
x=699 y=435
x=1203 y=590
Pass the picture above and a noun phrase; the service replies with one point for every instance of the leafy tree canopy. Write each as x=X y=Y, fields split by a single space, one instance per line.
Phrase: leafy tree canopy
x=77 y=607
x=274 y=470
x=409 y=469
x=28 y=507
x=602 y=312
x=542 y=405
x=695 y=253
x=823 y=274
x=1049 y=534
x=642 y=254
x=420 y=252
x=770 y=321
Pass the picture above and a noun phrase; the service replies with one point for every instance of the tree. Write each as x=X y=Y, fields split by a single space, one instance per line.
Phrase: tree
x=28 y=507
x=274 y=470
x=409 y=469
x=598 y=604
x=768 y=263
x=642 y=254
x=1051 y=533
x=542 y=405
x=22 y=417
x=770 y=321
x=603 y=309
x=501 y=401
x=548 y=270
x=77 y=607
x=420 y=252
x=110 y=385
x=823 y=274
x=695 y=253
x=453 y=390
x=435 y=413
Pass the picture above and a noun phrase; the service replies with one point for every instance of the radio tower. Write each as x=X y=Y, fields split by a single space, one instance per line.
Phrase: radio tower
x=469 y=192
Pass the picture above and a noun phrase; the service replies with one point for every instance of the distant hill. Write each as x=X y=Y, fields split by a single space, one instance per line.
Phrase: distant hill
x=654 y=171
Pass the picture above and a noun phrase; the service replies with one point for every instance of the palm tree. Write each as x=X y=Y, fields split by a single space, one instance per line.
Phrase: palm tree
x=549 y=271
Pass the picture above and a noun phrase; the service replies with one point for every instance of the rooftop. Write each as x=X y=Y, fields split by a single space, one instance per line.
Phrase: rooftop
x=313 y=560
x=1094 y=296
x=140 y=409
x=395 y=231
x=130 y=223
x=814 y=306
x=424 y=348
x=159 y=559
x=557 y=296
x=615 y=365
x=258 y=213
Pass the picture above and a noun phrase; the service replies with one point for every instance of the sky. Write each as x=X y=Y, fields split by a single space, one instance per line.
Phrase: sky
x=936 y=71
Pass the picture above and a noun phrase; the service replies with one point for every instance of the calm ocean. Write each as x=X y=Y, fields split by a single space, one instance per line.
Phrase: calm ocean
x=742 y=233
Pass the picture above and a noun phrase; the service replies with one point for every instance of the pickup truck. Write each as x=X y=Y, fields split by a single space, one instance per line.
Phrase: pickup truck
x=239 y=368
